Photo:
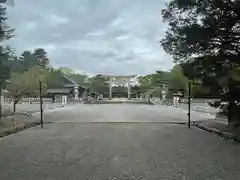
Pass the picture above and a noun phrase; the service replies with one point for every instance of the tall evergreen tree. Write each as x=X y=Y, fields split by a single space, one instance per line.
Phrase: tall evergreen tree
x=5 y=33
x=41 y=56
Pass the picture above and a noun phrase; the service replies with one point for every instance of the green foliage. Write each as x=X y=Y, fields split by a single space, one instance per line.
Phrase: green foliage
x=5 y=31
x=204 y=34
x=27 y=83
x=205 y=37
x=79 y=78
x=4 y=66
x=41 y=56
x=174 y=79
x=177 y=80
x=54 y=79
x=27 y=60
x=145 y=82
x=98 y=84
x=66 y=70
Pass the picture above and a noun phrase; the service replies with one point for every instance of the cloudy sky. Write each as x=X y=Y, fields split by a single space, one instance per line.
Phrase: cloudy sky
x=117 y=37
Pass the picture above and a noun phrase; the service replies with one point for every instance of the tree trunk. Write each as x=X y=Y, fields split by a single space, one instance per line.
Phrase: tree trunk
x=15 y=104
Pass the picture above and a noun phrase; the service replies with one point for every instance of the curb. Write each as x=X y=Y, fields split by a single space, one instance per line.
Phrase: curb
x=24 y=126
x=18 y=129
x=225 y=135
x=30 y=113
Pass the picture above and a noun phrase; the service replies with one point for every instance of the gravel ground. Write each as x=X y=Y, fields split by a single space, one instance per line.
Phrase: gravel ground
x=26 y=107
x=120 y=141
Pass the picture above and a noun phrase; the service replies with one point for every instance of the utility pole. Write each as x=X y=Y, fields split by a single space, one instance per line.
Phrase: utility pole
x=41 y=104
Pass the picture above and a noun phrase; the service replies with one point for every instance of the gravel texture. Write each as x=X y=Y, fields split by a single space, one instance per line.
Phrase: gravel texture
x=120 y=141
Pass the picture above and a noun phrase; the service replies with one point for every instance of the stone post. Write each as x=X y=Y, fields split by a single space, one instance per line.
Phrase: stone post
x=110 y=90
x=129 y=90
x=62 y=97
x=163 y=95
x=85 y=96
x=76 y=92
x=2 y=99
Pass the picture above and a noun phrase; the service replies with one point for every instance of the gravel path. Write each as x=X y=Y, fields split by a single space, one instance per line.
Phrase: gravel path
x=120 y=141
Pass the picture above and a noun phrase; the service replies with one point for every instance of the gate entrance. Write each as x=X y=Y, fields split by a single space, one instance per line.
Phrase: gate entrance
x=119 y=81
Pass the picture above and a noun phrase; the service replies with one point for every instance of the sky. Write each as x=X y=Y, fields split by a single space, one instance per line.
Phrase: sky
x=114 y=37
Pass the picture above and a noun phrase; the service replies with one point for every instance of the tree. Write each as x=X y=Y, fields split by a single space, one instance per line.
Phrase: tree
x=4 y=74
x=41 y=56
x=98 y=84
x=145 y=82
x=204 y=33
x=28 y=60
x=79 y=78
x=54 y=79
x=26 y=83
x=5 y=33
x=16 y=65
x=177 y=81
x=66 y=70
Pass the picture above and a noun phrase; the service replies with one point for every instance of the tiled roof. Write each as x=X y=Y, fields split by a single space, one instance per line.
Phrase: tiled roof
x=58 y=91
x=115 y=76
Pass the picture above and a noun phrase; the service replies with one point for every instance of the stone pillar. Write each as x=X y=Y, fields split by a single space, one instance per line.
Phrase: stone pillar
x=163 y=95
x=64 y=99
x=85 y=96
x=129 y=90
x=76 y=93
x=2 y=99
x=176 y=101
x=110 y=90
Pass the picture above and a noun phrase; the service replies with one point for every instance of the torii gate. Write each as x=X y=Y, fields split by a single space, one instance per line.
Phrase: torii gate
x=119 y=80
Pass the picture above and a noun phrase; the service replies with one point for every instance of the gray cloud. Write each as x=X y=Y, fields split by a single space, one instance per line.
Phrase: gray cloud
x=95 y=36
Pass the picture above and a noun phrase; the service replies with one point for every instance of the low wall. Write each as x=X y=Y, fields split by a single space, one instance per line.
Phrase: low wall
x=37 y=100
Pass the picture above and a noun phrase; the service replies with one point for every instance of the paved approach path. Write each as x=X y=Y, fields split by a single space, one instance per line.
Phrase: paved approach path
x=80 y=145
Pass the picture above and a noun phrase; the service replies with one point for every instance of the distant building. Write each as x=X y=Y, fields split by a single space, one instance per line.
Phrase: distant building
x=70 y=88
